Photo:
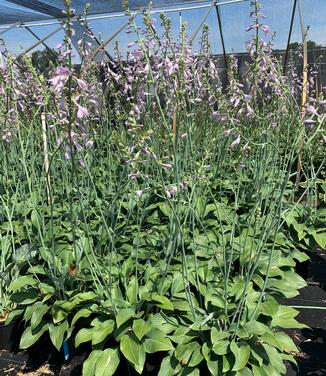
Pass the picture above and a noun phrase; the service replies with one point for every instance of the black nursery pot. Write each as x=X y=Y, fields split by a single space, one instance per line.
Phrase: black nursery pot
x=10 y=336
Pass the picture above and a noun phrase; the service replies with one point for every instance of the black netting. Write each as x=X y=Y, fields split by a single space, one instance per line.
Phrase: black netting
x=46 y=9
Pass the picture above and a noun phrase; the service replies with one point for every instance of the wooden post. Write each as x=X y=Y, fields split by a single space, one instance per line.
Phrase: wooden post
x=46 y=157
x=304 y=96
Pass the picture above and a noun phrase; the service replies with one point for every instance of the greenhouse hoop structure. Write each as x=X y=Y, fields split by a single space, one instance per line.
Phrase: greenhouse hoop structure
x=26 y=14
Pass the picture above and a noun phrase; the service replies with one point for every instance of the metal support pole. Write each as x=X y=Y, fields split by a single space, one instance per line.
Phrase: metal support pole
x=39 y=42
x=39 y=39
x=10 y=27
x=98 y=42
x=201 y=23
x=104 y=44
x=290 y=34
x=219 y=21
x=119 y=15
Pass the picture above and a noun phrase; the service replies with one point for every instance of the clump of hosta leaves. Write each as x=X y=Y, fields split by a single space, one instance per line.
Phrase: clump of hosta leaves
x=168 y=238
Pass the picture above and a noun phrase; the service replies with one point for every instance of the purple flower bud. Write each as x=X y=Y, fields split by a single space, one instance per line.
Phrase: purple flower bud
x=134 y=175
x=227 y=132
x=309 y=121
x=236 y=141
x=166 y=165
x=81 y=83
x=265 y=29
x=311 y=110
x=139 y=193
x=171 y=191
x=82 y=112
x=252 y=26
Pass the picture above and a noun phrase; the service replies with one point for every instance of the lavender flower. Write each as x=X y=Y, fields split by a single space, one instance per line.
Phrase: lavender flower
x=236 y=141
x=167 y=166
x=82 y=112
x=171 y=191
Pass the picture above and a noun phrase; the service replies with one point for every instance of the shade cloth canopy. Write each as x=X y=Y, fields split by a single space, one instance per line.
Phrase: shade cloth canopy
x=12 y=11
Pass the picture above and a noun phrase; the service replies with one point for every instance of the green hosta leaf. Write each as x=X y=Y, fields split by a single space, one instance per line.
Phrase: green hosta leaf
x=188 y=371
x=299 y=256
x=37 y=269
x=284 y=318
x=294 y=279
x=196 y=357
x=289 y=358
x=241 y=354
x=134 y=351
x=166 y=209
x=160 y=301
x=213 y=367
x=320 y=239
x=26 y=280
x=124 y=315
x=35 y=219
x=275 y=359
x=215 y=300
x=46 y=289
x=181 y=336
x=89 y=365
x=269 y=307
x=25 y=297
x=169 y=367
x=226 y=364
x=84 y=335
x=30 y=336
x=102 y=330
x=180 y=305
x=83 y=297
x=244 y=372
x=165 y=323
x=183 y=352
x=84 y=312
x=159 y=344
x=60 y=311
x=177 y=283
x=140 y=328
x=270 y=339
x=256 y=328
x=132 y=290
x=14 y=315
x=258 y=371
x=285 y=342
x=38 y=313
x=107 y=363
x=221 y=347
x=57 y=333
x=217 y=336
